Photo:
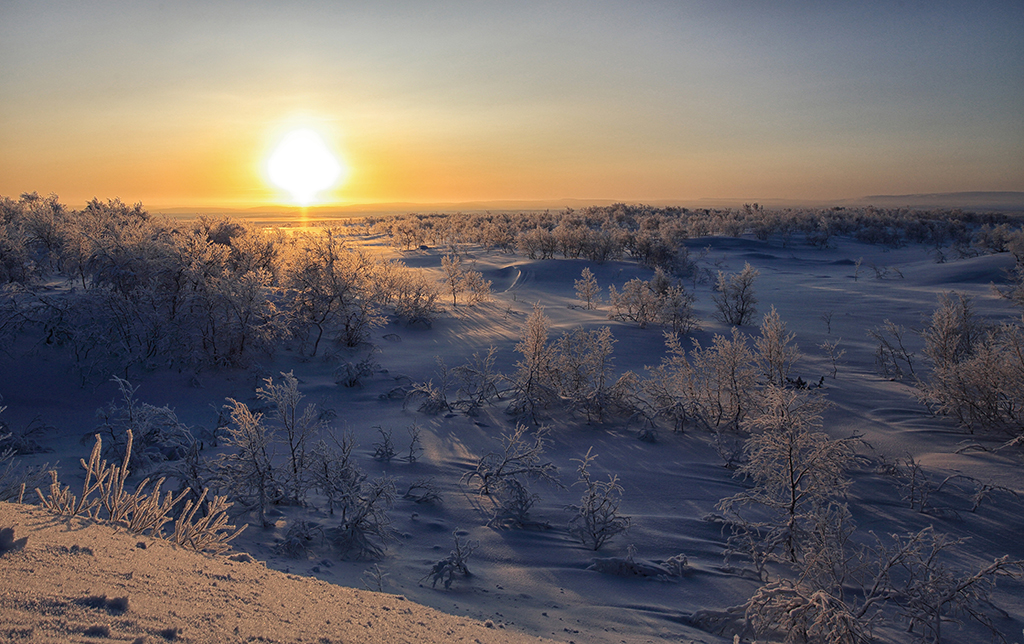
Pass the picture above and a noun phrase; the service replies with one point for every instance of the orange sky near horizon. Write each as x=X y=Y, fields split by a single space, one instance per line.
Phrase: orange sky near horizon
x=182 y=105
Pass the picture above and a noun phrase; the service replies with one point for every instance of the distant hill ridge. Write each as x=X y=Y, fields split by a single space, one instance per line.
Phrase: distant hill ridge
x=1000 y=201
x=1006 y=201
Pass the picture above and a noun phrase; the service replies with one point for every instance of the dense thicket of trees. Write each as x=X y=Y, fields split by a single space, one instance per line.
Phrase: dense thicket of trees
x=145 y=292
x=654 y=236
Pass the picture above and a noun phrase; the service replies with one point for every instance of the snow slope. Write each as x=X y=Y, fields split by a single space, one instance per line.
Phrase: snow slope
x=536 y=581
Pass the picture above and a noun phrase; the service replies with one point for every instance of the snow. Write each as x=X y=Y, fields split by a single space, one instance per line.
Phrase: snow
x=537 y=581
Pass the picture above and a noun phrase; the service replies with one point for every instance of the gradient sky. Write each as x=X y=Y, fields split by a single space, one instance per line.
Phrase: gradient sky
x=180 y=103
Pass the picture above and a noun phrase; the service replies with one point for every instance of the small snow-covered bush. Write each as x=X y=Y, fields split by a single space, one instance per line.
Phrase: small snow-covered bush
x=158 y=434
x=978 y=370
x=597 y=518
x=892 y=357
x=478 y=381
x=299 y=539
x=520 y=456
x=334 y=474
x=454 y=564
x=365 y=530
x=502 y=475
x=432 y=399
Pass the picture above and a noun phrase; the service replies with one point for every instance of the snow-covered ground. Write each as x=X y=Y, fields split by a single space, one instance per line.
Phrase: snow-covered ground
x=536 y=580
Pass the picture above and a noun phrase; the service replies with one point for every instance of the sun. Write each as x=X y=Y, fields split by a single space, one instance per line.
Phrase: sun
x=303 y=165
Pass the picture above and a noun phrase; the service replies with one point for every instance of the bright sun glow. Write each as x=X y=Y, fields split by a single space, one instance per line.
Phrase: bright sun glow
x=303 y=166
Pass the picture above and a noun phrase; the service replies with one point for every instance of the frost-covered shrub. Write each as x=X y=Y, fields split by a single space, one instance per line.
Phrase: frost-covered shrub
x=454 y=564
x=429 y=398
x=582 y=370
x=299 y=539
x=415 y=297
x=597 y=519
x=521 y=456
x=726 y=381
x=532 y=385
x=299 y=427
x=478 y=381
x=637 y=302
x=503 y=475
x=352 y=374
x=734 y=296
x=365 y=530
x=15 y=480
x=334 y=473
x=668 y=391
x=978 y=370
x=158 y=434
x=905 y=580
x=247 y=474
x=676 y=310
x=892 y=357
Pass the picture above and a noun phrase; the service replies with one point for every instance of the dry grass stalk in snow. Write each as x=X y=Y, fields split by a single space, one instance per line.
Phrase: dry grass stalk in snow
x=141 y=512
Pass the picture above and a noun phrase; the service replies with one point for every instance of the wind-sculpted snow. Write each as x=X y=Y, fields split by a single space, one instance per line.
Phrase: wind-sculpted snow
x=671 y=419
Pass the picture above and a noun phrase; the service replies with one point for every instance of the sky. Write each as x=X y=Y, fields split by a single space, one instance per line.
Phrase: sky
x=182 y=103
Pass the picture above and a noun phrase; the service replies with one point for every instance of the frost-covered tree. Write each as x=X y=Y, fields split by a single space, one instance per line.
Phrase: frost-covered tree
x=795 y=469
x=587 y=290
x=451 y=266
x=582 y=363
x=299 y=426
x=734 y=296
x=774 y=353
x=637 y=302
x=461 y=280
x=332 y=290
x=532 y=384
x=247 y=473
x=726 y=380
x=676 y=310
